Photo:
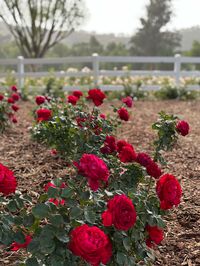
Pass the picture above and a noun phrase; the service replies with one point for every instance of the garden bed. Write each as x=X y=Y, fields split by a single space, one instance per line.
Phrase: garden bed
x=33 y=165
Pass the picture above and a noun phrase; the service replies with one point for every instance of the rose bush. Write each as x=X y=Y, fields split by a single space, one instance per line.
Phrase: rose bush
x=109 y=208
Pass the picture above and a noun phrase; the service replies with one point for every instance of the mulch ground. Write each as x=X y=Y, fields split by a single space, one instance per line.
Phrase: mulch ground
x=33 y=165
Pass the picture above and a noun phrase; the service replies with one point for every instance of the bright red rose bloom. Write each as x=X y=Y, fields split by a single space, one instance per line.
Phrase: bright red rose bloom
x=8 y=181
x=127 y=154
x=123 y=114
x=44 y=114
x=94 y=169
x=155 y=235
x=121 y=213
x=169 y=191
x=97 y=96
x=183 y=127
x=121 y=144
x=40 y=99
x=109 y=145
x=72 y=99
x=143 y=159
x=153 y=169
x=15 y=97
x=15 y=107
x=57 y=202
x=10 y=100
x=1 y=97
x=78 y=94
x=16 y=246
x=128 y=101
x=91 y=244
x=14 y=88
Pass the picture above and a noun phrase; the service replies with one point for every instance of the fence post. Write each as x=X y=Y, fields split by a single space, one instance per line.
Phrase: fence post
x=95 y=62
x=20 y=71
x=177 y=68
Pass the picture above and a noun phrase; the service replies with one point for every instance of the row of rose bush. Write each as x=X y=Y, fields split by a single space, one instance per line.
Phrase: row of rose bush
x=109 y=209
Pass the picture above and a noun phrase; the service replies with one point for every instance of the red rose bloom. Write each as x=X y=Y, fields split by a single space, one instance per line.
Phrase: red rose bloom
x=40 y=99
x=57 y=202
x=109 y=145
x=143 y=159
x=94 y=169
x=53 y=152
x=121 y=144
x=14 y=88
x=16 y=246
x=10 y=100
x=15 y=97
x=14 y=119
x=15 y=107
x=44 y=114
x=121 y=213
x=1 y=97
x=127 y=154
x=50 y=184
x=169 y=191
x=80 y=121
x=97 y=96
x=8 y=181
x=91 y=244
x=78 y=94
x=123 y=114
x=72 y=99
x=153 y=169
x=183 y=127
x=128 y=101
x=155 y=235
x=103 y=116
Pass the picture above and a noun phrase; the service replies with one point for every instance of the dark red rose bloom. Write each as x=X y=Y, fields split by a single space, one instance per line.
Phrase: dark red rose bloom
x=13 y=88
x=94 y=169
x=14 y=119
x=8 y=181
x=15 y=97
x=103 y=116
x=183 y=128
x=121 y=213
x=15 y=107
x=78 y=94
x=169 y=191
x=123 y=114
x=128 y=101
x=153 y=169
x=97 y=96
x=53 y=152
x=40 y=99
x=72 y=99
x=43 y=114
x=155 y=235
x=121 y=144
x=80 y=121
x=10 y=100
x=91 y=244
x=109 y=145
x=16 y=246
x=143 y=159
x=1 y=97
x=127 y=154
x=57 y=202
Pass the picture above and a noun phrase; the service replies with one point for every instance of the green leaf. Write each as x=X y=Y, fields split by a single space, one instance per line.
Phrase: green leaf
x=56 y=220
x=67 y=193
x=41 y=210
x=121 y=258
x=127 y=243
x=90 y=215
x=75 y=213
x=62 y=236
x=19 y=237
x=53 y=192
x=32 y=262
x=34 y=246
x=28 y=220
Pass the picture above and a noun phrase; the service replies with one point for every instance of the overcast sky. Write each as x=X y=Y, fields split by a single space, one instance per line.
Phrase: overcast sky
x=122 y=16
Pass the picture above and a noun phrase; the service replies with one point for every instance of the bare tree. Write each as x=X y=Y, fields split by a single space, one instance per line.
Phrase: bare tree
x=37 y=25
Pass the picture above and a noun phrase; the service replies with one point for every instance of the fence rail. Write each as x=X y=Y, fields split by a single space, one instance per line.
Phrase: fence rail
x=96 y=71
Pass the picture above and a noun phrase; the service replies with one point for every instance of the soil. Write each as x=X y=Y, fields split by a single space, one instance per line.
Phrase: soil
x=33 y=165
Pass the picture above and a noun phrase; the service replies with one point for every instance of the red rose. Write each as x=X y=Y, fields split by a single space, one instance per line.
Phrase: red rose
x=57 y=201
x=128 y=101
x=155 y=235
x=8 y=181
x=183 y=127
x=91 y=244
x=97 y=96
x=143 y=159
x=53 y=152
x=127 y=154
x=50 y=184
x=44 y=114
x=40 y=99
x=15 y=107
x=16 y=246
x=103 y=116
x=153 y=169
x=109 y=145
x=123 y=114
x=169 y=191
x=78 y=94
x=72 y=99
x=80 y=121
x=121 y=213
x=1 y=97
x=94 y=169
x=10 y=100
x=14 y=119
x=13 y=88
x=15 y=97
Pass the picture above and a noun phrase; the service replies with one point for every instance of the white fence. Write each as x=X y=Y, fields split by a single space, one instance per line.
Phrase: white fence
x=96 y=71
